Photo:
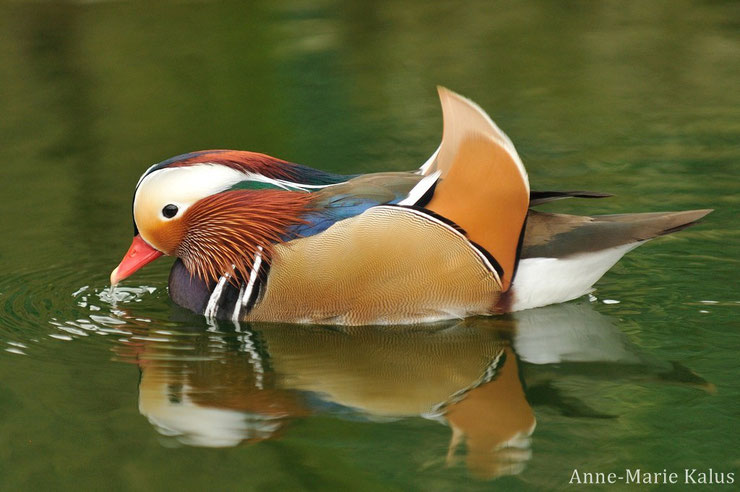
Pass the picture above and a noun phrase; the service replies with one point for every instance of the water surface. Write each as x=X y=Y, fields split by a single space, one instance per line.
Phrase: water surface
x=126 y=391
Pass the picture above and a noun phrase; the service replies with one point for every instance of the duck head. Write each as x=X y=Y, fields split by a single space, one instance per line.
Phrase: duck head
x=213 y=210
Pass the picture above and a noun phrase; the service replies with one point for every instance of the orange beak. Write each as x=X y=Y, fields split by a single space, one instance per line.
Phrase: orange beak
x=138 y=255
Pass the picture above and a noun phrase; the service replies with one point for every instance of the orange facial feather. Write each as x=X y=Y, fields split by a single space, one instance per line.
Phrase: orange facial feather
x=224 y=231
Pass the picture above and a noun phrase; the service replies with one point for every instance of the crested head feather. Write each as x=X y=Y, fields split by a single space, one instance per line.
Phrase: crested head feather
x=244 y=161
x=251 y=163
x=223 y=231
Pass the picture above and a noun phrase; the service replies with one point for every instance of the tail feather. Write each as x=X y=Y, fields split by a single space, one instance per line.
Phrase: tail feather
x=540 y=197
x=565 y=255
x=560 y=236
x=654 y=224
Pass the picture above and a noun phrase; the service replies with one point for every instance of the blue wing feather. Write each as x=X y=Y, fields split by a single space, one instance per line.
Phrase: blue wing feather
x=319 y=221
x=352 y=197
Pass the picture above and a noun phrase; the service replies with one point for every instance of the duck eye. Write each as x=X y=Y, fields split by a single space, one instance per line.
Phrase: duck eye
x=169 y=211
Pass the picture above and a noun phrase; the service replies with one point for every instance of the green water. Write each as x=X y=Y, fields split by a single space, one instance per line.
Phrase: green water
x=636 y=98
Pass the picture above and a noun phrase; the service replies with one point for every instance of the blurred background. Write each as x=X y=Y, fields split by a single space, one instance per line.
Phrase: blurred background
x=634 y=98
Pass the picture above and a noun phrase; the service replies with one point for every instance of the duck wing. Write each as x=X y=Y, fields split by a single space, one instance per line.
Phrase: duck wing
x=390 y=264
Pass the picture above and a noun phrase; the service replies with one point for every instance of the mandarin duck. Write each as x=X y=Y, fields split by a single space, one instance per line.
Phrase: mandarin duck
x=261 y=239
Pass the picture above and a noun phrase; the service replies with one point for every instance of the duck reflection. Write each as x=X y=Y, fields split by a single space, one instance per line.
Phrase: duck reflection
x=212 y=391
x=464 y=375
x=221 y=389
x=246 y=383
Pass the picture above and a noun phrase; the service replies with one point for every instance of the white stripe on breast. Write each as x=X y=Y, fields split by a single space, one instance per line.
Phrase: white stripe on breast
x=213 y=301
x=253 y=276
x=246 y=292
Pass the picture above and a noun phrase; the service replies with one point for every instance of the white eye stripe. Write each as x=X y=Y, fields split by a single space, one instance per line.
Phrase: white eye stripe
x=283 y=183
x=264 y=179
x=146 y=173
x=182 y=187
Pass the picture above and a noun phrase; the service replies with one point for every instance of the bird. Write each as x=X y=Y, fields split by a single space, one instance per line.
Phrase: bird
x=261 y=239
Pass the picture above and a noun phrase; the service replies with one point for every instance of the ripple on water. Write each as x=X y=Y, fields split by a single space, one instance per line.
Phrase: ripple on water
x=40 y=307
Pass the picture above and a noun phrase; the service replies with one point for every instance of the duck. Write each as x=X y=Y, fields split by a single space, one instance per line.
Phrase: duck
x=261 y=239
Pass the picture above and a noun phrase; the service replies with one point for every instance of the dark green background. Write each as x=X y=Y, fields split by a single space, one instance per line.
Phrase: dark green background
x=634 y=98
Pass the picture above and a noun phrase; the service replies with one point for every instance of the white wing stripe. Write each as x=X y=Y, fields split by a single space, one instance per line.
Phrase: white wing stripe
x=424 y=169
x=420 y=189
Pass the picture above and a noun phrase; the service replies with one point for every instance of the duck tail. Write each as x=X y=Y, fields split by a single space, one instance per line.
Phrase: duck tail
x=562 y=236
x=565 y=255
x=646 y=226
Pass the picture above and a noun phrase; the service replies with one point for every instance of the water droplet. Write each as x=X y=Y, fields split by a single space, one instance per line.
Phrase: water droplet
x=80 y=290
x=66 y=338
